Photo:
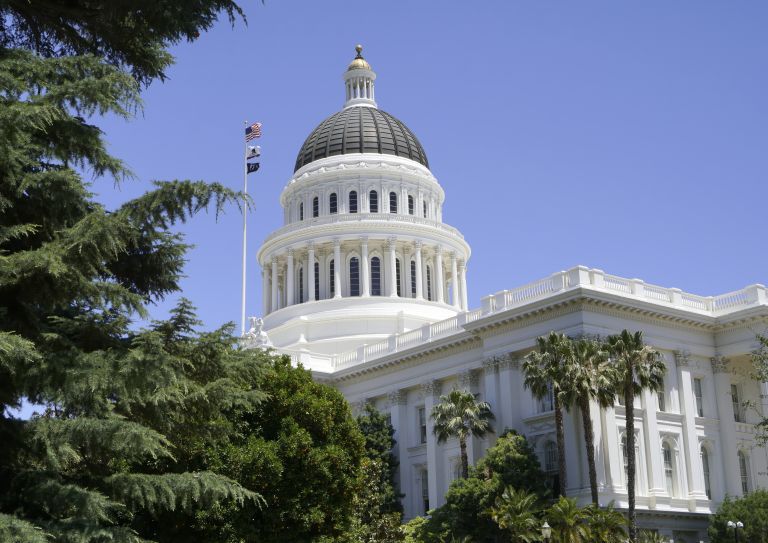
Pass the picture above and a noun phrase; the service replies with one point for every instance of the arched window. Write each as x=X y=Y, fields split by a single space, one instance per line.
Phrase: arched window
x=429 y=283
x=669 y=469
x=301 y=211
x=375 y=276
x=373 y=201
x=353 y=202
x=746 y=484
x=550 y=457
x=397 y=277
x=413 y=278
x=333 y=203
x=301 y=285
x=317 y=281
x=705 y=469
x=354 y=276
x=393 y=202
x=425 y=208
x=331 y=274
x=315 y=207
x=410 y=205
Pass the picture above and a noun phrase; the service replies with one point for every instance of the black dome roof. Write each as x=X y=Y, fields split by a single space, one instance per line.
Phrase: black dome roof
x=360 y=129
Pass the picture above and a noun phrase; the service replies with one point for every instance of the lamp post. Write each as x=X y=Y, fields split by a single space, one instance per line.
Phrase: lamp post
x=546 y=532
x=738 y=525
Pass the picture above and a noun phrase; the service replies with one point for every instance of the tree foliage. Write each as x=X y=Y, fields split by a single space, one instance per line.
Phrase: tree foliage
x=751 y=510
x=379 y=446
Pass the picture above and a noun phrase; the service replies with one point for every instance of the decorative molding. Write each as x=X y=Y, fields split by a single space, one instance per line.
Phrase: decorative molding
x=397 y=397
x=719 y=364
x=682 y=357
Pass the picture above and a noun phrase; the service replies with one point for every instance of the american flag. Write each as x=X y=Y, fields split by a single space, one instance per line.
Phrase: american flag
x=253 y=132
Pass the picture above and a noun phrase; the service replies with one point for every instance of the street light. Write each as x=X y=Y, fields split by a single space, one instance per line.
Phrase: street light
x=738 y=525
x=546 y=532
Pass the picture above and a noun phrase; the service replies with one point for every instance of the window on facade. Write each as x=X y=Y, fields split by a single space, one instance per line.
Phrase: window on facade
x=301 y=285
x=410 y=205
x=662 y=397
x=699 y=397
x=375 y=276
x=317 y=281
x=547 y=402
x=413 y=278
x=397 y=277
x=705 y=468
x=315 y=207
x=738 y=416
x=373 y=201
x=333 y=204
x=424 y=206
x=354 y=276
x=429 y=283
x=301 y=211
x=744 y=472
x=625 y=457
x=425 y=491
x=422 y=425
x=669 y=472
x=393 y=202
x=550 y=457
x=331 y=274
x=353 y=202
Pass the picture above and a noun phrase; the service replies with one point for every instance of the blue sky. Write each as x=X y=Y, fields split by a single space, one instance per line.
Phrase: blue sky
x=629 y=136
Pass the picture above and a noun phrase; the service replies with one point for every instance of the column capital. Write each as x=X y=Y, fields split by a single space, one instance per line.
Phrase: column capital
x=433 y=388
x=289 y=251
x=310 y=246
x=418 y=244
x=439 y=250
x=510 y=361
x=391 y=241
x=719 y=364
x=468 y=379
x=461 y=263
x=336 y=243
x=274 y=259
x=363 y=240
x=682 y=357
x=454 y=257
x=491 y=363
x=397 y=397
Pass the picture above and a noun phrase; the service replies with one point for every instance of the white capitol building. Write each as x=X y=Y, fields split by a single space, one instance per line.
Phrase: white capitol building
x=366 y=286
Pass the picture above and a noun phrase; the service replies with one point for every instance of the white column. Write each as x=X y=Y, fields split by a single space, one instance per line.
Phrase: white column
x=274 y=283
x=454 y=281
x=392 y=268
x=311 y=272
x=431 y=391
x=289 y=279
x=398 y=411
x=403 y=201
x=337 y=264
x=491 y=389
x=406 y=271
x=439 y=274
x=463 y=284
x=365 y=269
x=323 y=294
x=655 y=468
x=265 y=291
x=692 y=453
x=419 y=283
x=509 y=384
x=728 y=441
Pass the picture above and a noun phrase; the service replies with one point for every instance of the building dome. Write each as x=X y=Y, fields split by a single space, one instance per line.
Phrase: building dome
x=359 y=63
x=361 y=130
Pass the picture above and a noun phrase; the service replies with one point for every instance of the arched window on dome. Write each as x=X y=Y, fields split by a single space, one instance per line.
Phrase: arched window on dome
x=429 y=283
x=705 y=469
x=354 y=276
x=424 y=206
x=301 y=211
x=375 y=276
x=333 y=203
x=397 y=278
x=393 y=202
x=301 y=284
x=317 y=280
x=413 y=278
x=315 y=207
x=410 y=205
x=373 y=201
x=331 y=284
x=353 y=202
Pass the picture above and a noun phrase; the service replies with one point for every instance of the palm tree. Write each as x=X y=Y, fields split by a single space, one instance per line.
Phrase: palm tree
x=606 y=524
x=640 y=367
x=590 y=376
x=515 y=511
x=569 y=522
x=460 y=415
x=648 y=536
x=544 y=374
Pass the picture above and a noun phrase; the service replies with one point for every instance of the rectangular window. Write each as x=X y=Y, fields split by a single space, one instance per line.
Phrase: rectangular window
x=397 y=274
x=422 y=425
x=315 y=207
x=331 y=275
x=413 y=279
x=410 y=205
x=547 y=402
x=738 y=416
x=662 y=398
x=699 y=397
x=744 y=472
x=317 y=280
x=425 y=490
x=669 y=476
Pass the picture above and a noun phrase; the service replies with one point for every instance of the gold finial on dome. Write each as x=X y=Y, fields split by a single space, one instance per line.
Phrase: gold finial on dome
x=359 y=63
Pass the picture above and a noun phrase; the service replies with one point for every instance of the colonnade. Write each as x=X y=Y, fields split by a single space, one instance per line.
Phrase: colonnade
x=364 y=267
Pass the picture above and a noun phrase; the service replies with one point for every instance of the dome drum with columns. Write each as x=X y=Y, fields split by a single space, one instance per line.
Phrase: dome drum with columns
x=363 y=252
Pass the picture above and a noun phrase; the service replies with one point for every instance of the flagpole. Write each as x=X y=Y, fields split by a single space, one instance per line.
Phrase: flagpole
x=245 y=217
